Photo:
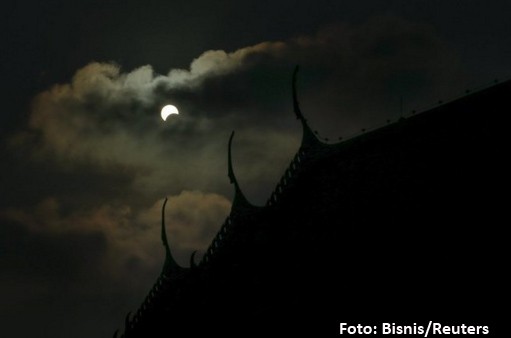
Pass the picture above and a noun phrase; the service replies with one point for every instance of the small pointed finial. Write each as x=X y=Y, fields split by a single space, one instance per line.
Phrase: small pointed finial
x=192 y=260
x=127 y=321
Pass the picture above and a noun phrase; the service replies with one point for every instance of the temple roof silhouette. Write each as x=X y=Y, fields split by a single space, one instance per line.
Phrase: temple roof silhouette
x=399 y=222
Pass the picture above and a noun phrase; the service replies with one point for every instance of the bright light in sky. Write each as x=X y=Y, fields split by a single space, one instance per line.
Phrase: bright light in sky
x=167 y=111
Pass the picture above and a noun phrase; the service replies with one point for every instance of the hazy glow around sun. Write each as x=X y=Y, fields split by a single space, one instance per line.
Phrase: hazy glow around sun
x=167 y=111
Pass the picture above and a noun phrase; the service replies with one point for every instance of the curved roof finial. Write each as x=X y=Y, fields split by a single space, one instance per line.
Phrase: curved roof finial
x=309 y=140
x=240 y=200
x=170 y=264
x=192 y=260
x=230 y=172
x=296 y=105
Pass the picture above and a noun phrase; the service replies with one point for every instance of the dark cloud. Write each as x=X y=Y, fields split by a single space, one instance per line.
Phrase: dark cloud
x=119 y=236
x=354 y=76
x=100 y=260
x=41 y=271
x=101 y=137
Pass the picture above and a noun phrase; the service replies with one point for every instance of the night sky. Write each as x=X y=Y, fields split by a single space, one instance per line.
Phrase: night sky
x=86 y=159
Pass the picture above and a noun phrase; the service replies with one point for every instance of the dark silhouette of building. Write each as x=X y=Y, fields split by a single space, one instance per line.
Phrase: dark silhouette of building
x=404 y=223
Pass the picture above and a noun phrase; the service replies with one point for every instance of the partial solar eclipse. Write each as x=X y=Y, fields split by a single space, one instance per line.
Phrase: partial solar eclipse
x=167 y=111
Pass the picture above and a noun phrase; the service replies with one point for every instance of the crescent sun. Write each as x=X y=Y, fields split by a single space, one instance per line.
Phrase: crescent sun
x=167 y=111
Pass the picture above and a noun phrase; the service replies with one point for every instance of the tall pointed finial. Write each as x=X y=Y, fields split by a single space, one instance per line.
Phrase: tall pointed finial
x=240 y=200
x=230 y=170
x=170 y=264
x=309 y=140
x=296 y=105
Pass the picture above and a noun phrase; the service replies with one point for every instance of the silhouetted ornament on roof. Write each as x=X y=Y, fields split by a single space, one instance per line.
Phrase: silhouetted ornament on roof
x=309 y=140
x=240 y=204
x=170 y=266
